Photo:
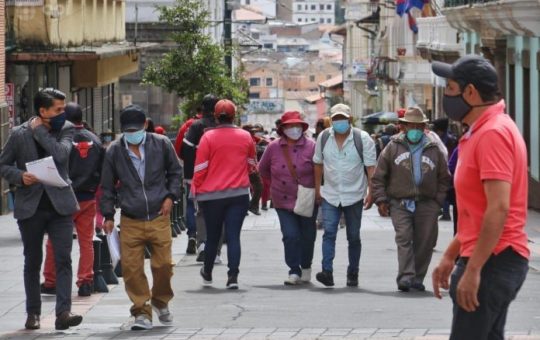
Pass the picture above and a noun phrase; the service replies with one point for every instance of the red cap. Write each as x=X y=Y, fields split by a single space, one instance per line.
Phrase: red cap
x=225 y=107
x=159 y=130
x=293 y=117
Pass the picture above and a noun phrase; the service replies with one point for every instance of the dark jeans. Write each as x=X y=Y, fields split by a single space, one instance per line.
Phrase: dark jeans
x=256 y=190
x=60 y=231
x=501 y=279
x=353 y=219
x=191 y=223
x=228 y=214
x=299 y=235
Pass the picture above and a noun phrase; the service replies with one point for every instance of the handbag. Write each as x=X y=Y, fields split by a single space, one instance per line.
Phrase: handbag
x=305 y=197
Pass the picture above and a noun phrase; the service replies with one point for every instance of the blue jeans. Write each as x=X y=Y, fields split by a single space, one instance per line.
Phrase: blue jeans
x=353 y=219
x=191 y=225
x=228 y=214
x=299 y=235
x=501 y=278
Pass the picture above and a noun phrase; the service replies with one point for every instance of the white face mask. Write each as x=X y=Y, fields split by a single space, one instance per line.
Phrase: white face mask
x=293 y=133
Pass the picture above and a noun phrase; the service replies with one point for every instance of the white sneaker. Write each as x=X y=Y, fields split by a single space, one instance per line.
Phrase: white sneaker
x=142 y=323
x=293 y=279
x=218 y=260
x=164 y=315
x=306 y=275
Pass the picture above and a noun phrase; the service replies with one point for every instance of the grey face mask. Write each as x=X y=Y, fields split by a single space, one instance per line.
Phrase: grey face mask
x=456 y=107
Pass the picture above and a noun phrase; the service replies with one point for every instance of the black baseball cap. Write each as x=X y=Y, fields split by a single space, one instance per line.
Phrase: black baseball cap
x=132 y=117
x=470 y=69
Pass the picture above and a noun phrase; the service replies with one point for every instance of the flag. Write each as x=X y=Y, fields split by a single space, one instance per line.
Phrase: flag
x=412 y=23
x=401 y=7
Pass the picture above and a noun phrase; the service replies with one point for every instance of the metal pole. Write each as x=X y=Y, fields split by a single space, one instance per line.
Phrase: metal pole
x=136 y=22
x=227 y=41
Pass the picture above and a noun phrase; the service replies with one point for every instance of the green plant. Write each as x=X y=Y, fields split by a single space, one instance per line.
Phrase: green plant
x=195 y=67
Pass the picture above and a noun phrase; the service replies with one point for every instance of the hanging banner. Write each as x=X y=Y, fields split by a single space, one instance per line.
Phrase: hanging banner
x=10 y=100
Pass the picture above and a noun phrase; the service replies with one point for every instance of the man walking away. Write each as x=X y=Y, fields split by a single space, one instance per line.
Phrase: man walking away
x=40 y=208
x=147 y=171
x=85 y=161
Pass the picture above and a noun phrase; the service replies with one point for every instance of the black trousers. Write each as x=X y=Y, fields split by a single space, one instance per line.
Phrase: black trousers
x=501 y=278
x=60 y=231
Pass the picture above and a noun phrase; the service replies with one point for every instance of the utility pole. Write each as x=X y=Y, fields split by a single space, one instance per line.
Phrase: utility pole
x=136 y=22
x=227 y=30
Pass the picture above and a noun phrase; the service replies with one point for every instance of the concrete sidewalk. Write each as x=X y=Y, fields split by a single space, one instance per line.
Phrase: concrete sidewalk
x=263 y=308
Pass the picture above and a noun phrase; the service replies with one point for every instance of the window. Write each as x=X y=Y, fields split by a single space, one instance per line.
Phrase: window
x=306 y=8
x=312 y=78
x=313 y=19
x=313 y=7
x=254 y=82
x=268 y=46
x=254 y=95
x=269 y=81
x=299 y=19
x=248 y=2
x=321 y=20
x=328 y=76
x=329 y=21
x=321 y=7
x=299 y=7
x=329 y=7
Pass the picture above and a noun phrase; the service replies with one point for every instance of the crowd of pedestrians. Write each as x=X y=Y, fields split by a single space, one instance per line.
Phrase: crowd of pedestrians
x=412 y=172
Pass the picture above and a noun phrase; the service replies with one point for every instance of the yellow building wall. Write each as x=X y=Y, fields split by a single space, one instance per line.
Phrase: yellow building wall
x=69 y=23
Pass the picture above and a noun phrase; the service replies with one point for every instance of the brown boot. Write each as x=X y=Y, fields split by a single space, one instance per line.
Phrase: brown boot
x=67 y=319
x=32 y=321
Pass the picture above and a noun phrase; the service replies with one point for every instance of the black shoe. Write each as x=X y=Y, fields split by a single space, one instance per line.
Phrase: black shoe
x=445 y=217
x=32 y=321
x=404 y=286
x=67 y=319
x=207 y=277
x=419 y=286
x=201 y=256
x=352 y=280
x=255 y=210
x=232 y=282
x=264 y=207
x=86 y=289
x=47 y=290
x=326 y=278
x=191 y=246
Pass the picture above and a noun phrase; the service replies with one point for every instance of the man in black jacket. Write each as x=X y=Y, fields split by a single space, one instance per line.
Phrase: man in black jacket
x=189 y=152
x=85 y=161
x=41 y=208
x=142 y=170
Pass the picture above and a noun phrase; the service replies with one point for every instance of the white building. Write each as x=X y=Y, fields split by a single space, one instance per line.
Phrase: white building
x=313 y=11
x=144 y=11
x=265 y=7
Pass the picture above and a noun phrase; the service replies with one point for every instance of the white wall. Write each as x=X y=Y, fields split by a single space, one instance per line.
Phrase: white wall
x=267 y=7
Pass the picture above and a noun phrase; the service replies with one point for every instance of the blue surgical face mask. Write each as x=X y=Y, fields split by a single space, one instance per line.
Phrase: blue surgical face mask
x=135 y=138
x=58 y=122
x=293 y=133
x=415 y=135
x=341 y=126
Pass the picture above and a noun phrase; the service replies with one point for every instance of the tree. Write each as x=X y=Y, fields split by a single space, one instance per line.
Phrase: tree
x=195 y=67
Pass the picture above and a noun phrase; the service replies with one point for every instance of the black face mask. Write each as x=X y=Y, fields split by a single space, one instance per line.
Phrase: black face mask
x=58 y=122
x=456 y=107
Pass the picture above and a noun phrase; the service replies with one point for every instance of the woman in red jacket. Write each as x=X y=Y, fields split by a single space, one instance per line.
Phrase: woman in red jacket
x=225 y=158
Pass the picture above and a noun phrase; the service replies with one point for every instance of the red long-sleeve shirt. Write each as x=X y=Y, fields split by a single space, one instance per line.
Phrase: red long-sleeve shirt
x=225 y=157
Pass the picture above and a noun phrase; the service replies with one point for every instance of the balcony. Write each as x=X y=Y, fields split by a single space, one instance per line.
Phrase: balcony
x=72 y=23
x=437 y=39
x=494 y=18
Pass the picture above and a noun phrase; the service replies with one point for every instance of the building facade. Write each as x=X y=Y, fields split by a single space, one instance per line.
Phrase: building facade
x=313 y=11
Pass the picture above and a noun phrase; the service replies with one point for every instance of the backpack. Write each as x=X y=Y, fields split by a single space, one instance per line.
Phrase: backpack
x=181 y=134
x=357 y=137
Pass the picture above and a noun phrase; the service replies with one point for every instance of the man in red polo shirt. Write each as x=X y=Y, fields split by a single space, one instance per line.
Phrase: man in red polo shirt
x=491 y=190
